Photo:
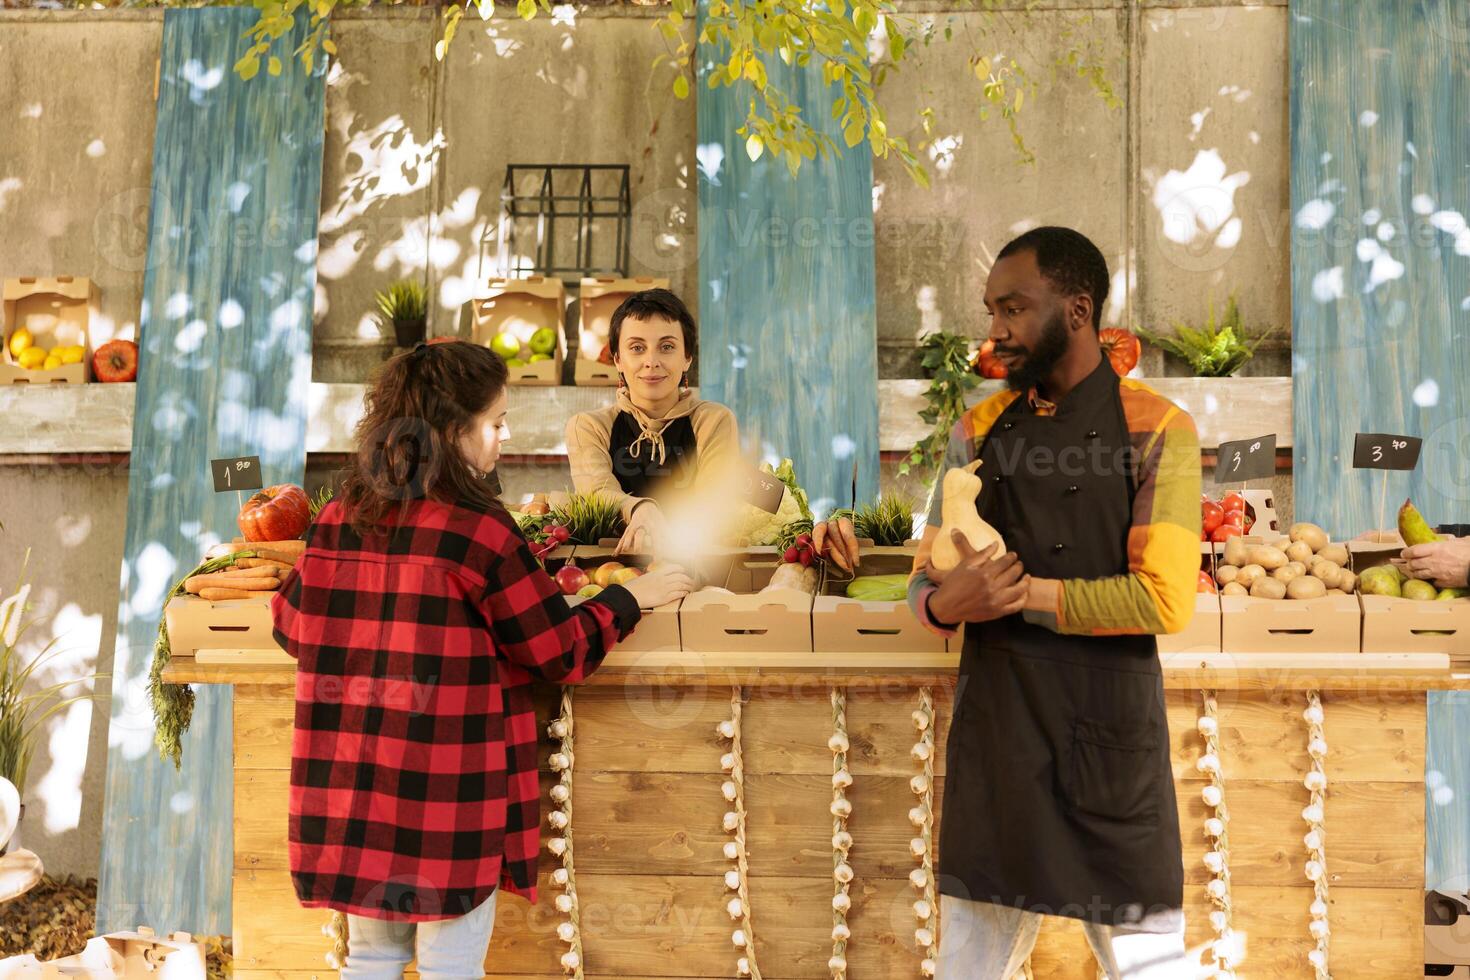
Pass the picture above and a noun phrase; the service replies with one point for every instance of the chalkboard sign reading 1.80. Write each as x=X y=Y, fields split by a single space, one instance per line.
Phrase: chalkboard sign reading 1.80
x=1385 y=451
x=1246 y=459
x=239 y=473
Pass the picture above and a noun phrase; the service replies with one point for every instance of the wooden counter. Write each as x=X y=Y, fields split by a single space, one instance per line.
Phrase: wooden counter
x=649 y=807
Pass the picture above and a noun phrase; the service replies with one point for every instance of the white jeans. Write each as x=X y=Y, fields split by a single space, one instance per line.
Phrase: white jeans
x=447 y=949
x=981 y=941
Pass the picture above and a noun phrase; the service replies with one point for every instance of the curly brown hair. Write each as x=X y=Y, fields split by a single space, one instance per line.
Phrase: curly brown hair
x=419 y=405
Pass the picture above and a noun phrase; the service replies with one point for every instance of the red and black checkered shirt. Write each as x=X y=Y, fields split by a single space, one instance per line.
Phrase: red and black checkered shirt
x=413 y=763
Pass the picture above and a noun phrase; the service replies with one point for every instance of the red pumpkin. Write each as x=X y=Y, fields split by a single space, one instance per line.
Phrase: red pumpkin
x=1121 y=349
x=987 y=364
x=279 y=513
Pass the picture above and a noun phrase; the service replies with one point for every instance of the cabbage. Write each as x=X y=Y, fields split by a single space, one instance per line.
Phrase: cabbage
x=879 y=588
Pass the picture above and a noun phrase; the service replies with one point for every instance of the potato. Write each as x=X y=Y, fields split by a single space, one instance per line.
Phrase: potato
x=1248 y=575
x=1267 y=557
x=1236 y=552
x=1305 y=587
x=1289 y=571
x=1299 y=551
x=1226 y=574
x=1328 y=572
x=1347 y=581
x=1336 y=592
x=1314 y=536
x=1335 y=553
x=1268 y=588
x=1234 y=588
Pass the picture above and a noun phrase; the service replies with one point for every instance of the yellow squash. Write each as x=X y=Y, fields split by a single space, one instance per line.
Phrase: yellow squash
x=961 y=491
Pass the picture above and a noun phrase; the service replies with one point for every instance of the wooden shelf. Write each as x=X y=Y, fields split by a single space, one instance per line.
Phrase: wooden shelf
x=98 y=418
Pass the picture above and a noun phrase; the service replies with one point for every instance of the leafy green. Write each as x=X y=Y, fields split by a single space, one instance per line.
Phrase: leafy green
x=1216 y=350
x=589 y=518
x=888 y=522
x=946 y=357
x=404 y=300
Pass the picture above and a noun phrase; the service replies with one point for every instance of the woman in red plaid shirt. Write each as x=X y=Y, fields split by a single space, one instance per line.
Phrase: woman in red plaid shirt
x=418 y=618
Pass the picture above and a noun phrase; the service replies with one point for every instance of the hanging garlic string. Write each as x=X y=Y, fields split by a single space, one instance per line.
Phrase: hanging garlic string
x=926 y=906
x=1315 y=839
x=841 y=808
x=564 y=762
x=335 y=929
x=737 y=880
x=1223 y=950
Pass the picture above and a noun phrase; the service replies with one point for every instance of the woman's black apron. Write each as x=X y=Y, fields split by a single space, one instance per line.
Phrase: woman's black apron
x=638 y=471
x=1059 y=796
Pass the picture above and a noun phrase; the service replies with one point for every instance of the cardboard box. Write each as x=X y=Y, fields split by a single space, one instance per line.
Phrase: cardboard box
x=1202 y=635
x=234 y=631
x=58 y=312
x=658 y=630
x=1331 y=624
x=843 y=625
x=749 y=621
x=521 y=307
x=600 y=298
x=1416 y=626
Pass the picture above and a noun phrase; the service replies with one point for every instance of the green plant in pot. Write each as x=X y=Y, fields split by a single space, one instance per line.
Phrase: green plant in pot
x=1216 y=350
x=405 y=304
x=24 y=707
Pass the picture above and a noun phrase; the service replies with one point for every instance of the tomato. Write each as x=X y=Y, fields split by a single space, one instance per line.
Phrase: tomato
x=278 y=513
x=1121 y=348
x=1235 y=519
x=1205 y=583
x=1224 y=532
x=1233 y=501
x=1212 y=515
x=986 y=364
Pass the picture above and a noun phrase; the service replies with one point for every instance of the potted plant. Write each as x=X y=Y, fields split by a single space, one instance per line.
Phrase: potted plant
x=1217 y=350
x=22 y=712
x=405 y=304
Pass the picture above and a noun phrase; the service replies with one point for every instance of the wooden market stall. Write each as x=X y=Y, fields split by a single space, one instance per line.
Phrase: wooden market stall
x=649 y=846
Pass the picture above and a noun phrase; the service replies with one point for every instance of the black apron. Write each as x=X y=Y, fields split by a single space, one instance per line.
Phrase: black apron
x=639 y=473
x=1059 y=796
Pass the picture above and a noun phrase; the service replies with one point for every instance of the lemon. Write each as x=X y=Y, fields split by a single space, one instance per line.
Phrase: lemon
x=31 y=357
x=20 y=341
x=73 y=355
x=51 y=363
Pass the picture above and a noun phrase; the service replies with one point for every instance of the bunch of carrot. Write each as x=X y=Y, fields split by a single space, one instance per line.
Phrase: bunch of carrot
x=259 y=567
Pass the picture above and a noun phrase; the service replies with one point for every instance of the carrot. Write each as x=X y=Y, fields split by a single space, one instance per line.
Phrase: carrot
x=198 y=583
x=215 y=595
x=280 y=557
x=262 y=563
x=294 y=547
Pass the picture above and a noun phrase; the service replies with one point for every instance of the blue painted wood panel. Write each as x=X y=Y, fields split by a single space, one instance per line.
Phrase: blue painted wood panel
x=225 y=331
x=1380 y=191
x=788 y=323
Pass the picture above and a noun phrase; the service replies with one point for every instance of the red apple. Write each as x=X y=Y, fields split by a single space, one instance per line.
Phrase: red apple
x=279 y=513
x=117 y=360
x=570 y=579
x=604 y=573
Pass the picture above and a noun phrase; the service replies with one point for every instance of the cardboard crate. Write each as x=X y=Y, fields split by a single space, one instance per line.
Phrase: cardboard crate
x=1393 y=625
x=1202 y=635
x=521 y=307
x=599 y=299
x=59 y=312
x=233 y=631
x=658 y=630
x=843 y=625
x=1331 y=624
x=748 y=621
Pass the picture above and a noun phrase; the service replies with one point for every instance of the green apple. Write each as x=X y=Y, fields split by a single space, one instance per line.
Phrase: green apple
x=535 y=358
x=543 y=341
x=588 y=591
x=506 y=344
x=514 y=362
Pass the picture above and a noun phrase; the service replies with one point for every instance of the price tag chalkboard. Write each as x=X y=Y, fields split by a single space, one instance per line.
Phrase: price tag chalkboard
x=1385 y=451
x=1246 y=459
x=762 y=490
x=239 y=473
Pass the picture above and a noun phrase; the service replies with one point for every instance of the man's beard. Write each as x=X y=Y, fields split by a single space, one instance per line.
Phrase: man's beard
x=1038 y=362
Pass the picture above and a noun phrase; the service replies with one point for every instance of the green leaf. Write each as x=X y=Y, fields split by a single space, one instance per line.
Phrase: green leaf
x=681 y=87
x=274 y=65
x=853 y=134
x=247 y=67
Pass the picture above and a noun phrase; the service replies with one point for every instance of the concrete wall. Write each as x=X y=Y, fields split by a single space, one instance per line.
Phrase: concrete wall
x=415 y=157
